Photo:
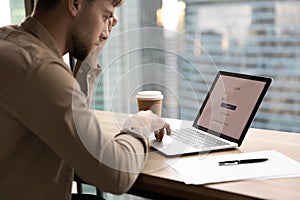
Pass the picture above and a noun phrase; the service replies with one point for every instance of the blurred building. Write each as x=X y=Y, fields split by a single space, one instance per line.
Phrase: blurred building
x=256 y=37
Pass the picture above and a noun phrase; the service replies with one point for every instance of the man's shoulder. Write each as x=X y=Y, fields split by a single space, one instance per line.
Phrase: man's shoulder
x=15 y=38
x=19 y=46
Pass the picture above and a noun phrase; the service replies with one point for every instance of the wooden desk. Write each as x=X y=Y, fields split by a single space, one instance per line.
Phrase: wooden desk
x=160 y=181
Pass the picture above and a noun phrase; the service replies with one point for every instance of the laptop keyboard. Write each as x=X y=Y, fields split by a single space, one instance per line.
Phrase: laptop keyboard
x=196 y=138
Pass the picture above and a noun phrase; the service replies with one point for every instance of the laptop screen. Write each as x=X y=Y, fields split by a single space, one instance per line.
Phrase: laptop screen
x=231 y=104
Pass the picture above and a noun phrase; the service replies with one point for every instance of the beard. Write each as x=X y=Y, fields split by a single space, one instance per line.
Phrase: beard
x=81 y=47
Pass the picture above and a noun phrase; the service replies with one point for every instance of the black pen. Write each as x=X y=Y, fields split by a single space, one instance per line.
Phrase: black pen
x=246 y=161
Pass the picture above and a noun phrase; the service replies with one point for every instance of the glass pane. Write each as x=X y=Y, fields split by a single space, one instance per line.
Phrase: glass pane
x=11 y=12
x=178 y=46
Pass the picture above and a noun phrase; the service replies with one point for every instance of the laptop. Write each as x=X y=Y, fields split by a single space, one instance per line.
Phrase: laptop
x=223 y=119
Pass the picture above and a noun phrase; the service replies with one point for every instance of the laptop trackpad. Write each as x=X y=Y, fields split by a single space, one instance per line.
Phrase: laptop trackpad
x=171 y=147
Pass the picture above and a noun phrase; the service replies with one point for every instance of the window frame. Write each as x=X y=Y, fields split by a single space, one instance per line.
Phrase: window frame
x=28 y=6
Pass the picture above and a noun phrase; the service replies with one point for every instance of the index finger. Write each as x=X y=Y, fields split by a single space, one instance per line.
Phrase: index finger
x=160 y=134
x=168 y=128
x=112 y=21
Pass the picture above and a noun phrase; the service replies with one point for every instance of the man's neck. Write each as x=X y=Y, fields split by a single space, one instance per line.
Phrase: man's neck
x=57 y=27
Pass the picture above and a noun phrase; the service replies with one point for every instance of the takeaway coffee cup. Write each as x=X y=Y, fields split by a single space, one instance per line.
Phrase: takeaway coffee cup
x=150 y=100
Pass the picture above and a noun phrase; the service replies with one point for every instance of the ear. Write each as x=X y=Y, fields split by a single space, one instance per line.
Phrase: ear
x=74 y=6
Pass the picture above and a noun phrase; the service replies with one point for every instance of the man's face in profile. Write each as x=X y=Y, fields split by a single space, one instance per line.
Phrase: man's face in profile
x=90 y=27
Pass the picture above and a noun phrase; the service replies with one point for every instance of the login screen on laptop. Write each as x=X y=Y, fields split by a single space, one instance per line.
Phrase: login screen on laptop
x=230 y=104
x=223 y=119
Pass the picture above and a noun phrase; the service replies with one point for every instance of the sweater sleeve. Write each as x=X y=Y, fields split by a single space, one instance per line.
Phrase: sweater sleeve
x=52 y=106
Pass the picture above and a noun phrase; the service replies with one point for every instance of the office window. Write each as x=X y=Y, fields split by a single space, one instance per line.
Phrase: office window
x=258 y=37
x=11 y=12
x=178 y=46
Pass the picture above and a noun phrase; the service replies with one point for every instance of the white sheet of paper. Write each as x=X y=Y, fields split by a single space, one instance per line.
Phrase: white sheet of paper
x=206 y=169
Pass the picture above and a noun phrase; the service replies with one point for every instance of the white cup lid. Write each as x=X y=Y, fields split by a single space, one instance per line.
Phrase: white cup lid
x=150 y=95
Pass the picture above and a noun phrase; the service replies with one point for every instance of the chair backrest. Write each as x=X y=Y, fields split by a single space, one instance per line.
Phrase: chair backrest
x=86 y=197
x=80 y=195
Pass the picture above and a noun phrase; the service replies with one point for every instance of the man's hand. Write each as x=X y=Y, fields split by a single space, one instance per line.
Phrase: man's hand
x=112 y=22
x=148 y=122
x=159 y=134
x=109 y=24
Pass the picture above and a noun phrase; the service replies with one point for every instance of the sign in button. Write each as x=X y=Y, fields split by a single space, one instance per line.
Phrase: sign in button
x=228 y=106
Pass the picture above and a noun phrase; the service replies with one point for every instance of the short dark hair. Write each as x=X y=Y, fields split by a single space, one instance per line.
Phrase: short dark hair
x=46 y=4
x=50 y=4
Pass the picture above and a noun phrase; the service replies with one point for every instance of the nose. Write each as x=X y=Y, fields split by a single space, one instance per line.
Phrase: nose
x=105 y=32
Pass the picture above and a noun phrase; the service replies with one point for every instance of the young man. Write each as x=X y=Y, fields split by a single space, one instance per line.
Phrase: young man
x=47 y=130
